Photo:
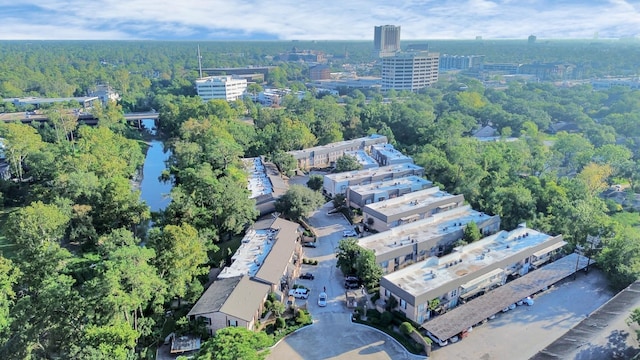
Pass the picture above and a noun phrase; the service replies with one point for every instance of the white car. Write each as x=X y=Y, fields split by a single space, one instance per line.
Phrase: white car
x=528 y=301
x=349 y=233
x=322 y=299
x=299 y=293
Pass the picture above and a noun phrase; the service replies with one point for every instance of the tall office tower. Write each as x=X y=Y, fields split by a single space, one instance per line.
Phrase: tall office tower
x=410 y=71
x=386 y=40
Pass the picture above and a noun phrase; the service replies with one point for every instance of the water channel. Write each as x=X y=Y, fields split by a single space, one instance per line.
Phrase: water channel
x=154 y=191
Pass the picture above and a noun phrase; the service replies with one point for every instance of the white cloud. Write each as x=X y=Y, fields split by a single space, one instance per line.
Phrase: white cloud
x=327 y=20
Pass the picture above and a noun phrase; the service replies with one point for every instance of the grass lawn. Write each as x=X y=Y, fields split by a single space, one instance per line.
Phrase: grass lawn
x=7 y=249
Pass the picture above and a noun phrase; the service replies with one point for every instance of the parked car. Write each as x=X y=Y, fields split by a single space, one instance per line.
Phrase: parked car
x=528 y=301
x=322 y=299
x=307 y=276
x=351 y=282
x=349 y=233
x=310 y=244
x=299 y=293
x=438 y=341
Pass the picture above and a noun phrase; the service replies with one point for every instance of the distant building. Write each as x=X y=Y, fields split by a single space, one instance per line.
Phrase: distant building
x=460 y=62
x=105 y=93
x=363 y=158
x=360 y=82
x=221 y=87
x=386 y=40
x=320 y=72
x=410 y=71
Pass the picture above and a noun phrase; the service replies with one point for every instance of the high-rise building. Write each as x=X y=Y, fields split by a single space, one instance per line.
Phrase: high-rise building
x=410 y=71
x=386 y=40
x=221 y=87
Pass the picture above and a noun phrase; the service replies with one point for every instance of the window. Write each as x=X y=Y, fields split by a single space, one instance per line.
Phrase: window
x=384 y=264
x=206 y=320
x=387 y=293
x=232 y=322
x=454 y=293
x=403 y=304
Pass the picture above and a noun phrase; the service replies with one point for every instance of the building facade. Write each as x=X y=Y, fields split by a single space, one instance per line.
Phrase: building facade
x=386 y=40
x=468 y=271
x=326 y=155
x=407 y=244
x=384 y=215
x=338 y=183
x=410 y=71
x=221 y=87
x=386 y=154
x=361 y=195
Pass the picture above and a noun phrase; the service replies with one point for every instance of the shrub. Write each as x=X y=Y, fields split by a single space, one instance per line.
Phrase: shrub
x=280 y=323
x=386 y=318
x=268 y=304
x=375 y=297
x=406 y=328
x=271 y=297
x=303 y=318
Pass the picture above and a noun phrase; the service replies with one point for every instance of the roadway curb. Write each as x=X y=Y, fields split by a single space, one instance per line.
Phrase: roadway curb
x=279 y=341
x=407 y=352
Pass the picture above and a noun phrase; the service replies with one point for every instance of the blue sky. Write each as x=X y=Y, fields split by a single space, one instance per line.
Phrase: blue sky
x=315 y=20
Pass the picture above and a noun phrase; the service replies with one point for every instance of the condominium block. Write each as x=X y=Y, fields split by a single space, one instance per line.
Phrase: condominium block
x=406 y=244
x=468 y=271
x=386 y=40
x=326 y=155
x=386 y=154
x=361 y=195
x=384 y=215
x=338 y=183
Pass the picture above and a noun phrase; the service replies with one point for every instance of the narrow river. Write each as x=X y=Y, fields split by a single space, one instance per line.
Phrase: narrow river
x=153 y=191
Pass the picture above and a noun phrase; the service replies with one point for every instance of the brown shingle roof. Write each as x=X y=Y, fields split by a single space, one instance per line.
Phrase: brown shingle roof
x=275 y=263
x=215 y=296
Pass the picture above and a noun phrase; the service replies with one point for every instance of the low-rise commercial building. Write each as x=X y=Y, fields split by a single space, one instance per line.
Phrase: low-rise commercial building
x=468 y=271
x=407 y=244
x=326 y=155
x=338 y=183
x=384 y=215
x=267 y=261
x=361 y=195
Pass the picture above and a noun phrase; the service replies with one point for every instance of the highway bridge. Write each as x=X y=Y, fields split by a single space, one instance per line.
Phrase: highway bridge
x=86 y=118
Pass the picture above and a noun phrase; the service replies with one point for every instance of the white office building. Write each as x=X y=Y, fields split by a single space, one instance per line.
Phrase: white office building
x=221 y=87
x=410 y=71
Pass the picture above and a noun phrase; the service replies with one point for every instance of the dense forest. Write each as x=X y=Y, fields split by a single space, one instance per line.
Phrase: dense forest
x=73 y=227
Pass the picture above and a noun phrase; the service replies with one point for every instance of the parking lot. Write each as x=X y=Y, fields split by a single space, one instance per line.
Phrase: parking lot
x=521 y=333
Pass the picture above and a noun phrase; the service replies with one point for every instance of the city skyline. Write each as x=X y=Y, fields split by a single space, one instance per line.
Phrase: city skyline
x=293 y=20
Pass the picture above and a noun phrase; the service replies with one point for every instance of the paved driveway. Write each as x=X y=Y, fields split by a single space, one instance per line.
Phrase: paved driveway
x=333 y=335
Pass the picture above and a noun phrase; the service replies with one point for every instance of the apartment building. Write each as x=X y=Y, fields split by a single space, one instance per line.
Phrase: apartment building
x=268 y=260
x=386 y=154
x=338 y=183
x=384 y=215
x=326 y=155
x=468 y=271
x=407 y=244
x=361 y=195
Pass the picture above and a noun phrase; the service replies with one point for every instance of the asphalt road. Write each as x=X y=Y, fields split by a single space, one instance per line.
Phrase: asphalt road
x=333 y=335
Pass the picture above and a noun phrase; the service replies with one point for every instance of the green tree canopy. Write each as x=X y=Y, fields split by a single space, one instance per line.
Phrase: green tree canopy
x=299 y=201
x=234 y=343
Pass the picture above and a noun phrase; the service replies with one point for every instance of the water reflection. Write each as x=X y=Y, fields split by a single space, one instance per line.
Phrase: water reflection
x=153 y=191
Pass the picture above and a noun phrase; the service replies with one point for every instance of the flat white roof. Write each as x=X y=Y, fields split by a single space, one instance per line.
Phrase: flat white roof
x=359 y=174
x=259 y=183
x=337 y=145
x=390 y=152
x=422 y=230
x=389 y=185
x=410 y=201
x=254 y=248
x=434 y=272
x=362 y=158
